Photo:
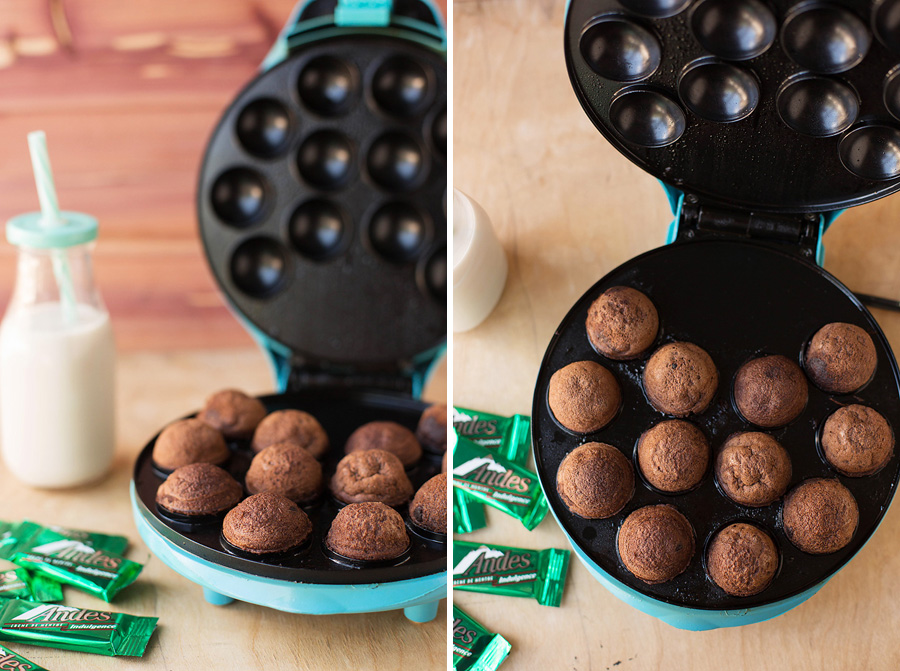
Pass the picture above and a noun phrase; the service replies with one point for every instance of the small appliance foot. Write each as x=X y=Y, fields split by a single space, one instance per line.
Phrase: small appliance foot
x=217 y=599
x=424 y=612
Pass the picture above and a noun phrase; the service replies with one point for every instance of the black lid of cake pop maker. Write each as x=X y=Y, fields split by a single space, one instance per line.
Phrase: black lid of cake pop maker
x=321 y=195
x=759 y=105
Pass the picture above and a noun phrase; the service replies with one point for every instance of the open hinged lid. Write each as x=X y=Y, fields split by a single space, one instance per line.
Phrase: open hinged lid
x=321 y=196
x=764 y=106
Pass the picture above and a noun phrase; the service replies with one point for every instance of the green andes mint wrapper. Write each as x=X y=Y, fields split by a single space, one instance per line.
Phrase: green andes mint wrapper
x=108 y=543
x=14 y=584
x=17 y=536
x=7 y=540
x=13 y=662
x=74 y=563
x=497 y=569
x=44 y=589
x=20 y=535
x=474 y=647
x=79 y=629
x=510 y=436
x=468 y=514
x=498 y=482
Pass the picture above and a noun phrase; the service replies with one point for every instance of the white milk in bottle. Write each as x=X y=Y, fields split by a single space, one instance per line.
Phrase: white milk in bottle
x=57 y=358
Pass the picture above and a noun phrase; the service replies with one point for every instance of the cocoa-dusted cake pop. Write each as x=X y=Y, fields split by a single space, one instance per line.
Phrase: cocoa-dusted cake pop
x=857 y=440
x=266 y=523
x=673 y=455
x=742 y=559
x=428 y=508
x=371 y=475
x=680 y=378
x=753 y=469
x=432 y=429
x=622 y=323
x=286 y=469
x=444 y=463
x=388 y=436
x=820 y=516
x=197 y=490
x=291 y=425
x=840 y=358
x=595 y=481
x=233 y=413
x=656 y=543
x=584 y=396
x=368 y=532
x=189 y=441
x=770 y=391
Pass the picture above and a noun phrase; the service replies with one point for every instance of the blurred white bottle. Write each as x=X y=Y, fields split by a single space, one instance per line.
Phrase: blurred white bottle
x=57 y=359
x=479 y=264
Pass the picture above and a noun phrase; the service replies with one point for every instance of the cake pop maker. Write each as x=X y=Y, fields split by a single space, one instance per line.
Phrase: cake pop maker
x=762 y=120
x=320 y=204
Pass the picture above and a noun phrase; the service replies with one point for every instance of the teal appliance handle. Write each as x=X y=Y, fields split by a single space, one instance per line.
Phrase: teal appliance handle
x=355 y=16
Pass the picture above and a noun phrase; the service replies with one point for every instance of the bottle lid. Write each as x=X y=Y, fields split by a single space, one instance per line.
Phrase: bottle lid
x=29 y=230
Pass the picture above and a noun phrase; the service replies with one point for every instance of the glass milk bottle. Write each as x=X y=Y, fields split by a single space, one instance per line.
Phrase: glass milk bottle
x=57 y=358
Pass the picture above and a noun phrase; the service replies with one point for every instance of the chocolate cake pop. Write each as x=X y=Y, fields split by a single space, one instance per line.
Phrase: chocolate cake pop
x=841 y=358
x=680 y=379
x=622 y=323
x=656 y=543
x=595 y=481
x=770 y=391
x=584 y=396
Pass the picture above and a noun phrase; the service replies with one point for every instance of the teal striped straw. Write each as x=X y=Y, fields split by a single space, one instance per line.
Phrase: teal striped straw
x=52 y=218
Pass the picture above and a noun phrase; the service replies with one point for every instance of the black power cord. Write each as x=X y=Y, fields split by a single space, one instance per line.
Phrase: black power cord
x=878 y=301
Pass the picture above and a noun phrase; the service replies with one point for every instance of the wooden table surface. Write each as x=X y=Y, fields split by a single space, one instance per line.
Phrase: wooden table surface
x=569 y=208
x=153 y=389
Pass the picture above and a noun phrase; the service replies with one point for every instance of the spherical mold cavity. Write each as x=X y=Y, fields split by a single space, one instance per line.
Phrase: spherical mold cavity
x=892 y=92
x=264 y=128
x=619 y=49
x=395 y=162
x=401 y=86
x=825 y=39
x=439 y=132
x=655 y=9
x=325 y=160
x=239 y=197
x=647 y=118
x=871 y=152
x=398 y=232
x=886 y=20
x=328 y=86
x=717 y=91
x=735 y=30
x=436 y=274
x=259 y=267
x=817 y=106
x=317 y=229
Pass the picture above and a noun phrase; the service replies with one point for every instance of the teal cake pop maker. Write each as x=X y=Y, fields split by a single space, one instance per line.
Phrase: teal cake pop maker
x=763 y=120
x=321 y=209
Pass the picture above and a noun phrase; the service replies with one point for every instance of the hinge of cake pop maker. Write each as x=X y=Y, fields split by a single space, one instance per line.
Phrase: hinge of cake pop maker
x=792 y=232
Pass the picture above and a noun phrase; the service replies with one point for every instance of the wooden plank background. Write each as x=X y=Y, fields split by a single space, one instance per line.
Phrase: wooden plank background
x=128 y=93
